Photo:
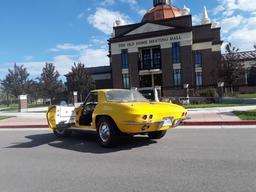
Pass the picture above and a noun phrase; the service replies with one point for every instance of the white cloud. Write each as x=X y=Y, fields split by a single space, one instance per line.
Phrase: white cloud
x=94 y=57
x=112 y=2
x=244 y=38
x=228 y=7
x=238 y=22
x=246 y=5
x=251 y=23
x=28 y=58
x=231 y=22
x=99 y=41
x=142 y=11
x=131 y=2
x=103 y=19
x=63 y=63
x=196 y=19
x=69 y=46
x=244 y=35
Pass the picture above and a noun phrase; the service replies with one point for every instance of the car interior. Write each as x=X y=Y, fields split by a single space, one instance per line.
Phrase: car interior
x=88 y=108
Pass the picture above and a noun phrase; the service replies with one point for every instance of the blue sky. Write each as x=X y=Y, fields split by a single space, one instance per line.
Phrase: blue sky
x=65 y=31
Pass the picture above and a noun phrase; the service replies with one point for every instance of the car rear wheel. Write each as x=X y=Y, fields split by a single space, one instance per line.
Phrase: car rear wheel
x=62 y=133
x=157 y=134
x=107 y=132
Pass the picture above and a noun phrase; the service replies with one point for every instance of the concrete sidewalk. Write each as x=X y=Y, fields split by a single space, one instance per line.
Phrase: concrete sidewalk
x=199 y=117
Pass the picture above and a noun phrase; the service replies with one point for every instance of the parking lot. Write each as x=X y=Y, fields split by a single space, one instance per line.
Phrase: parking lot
x=185 y=160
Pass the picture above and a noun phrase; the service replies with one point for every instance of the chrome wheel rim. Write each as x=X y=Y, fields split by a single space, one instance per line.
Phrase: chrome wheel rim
x=104 y=132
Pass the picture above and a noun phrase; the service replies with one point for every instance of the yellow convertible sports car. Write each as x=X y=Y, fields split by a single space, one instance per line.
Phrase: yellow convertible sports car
x=114 y=112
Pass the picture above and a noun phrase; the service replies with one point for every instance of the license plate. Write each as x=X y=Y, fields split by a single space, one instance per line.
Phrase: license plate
x=167 y=122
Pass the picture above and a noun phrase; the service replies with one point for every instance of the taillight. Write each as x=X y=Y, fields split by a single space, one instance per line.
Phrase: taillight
x=150 y=116
x=144 y=117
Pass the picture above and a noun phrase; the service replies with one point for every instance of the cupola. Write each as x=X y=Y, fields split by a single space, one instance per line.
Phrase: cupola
x=162 y=10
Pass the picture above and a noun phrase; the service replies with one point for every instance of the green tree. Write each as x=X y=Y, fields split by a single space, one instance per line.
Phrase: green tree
x=232 y=68
x=79 y=80
x=34 y=90
x=50 y=84
x=16 y=81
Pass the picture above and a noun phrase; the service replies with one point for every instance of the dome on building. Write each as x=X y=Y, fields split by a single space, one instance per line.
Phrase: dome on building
x=161 y=10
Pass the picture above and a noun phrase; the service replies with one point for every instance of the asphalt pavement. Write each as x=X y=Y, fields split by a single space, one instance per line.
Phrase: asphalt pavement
x=186 y=160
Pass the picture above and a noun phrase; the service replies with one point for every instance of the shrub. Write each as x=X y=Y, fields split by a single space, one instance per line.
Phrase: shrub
x=209 y=92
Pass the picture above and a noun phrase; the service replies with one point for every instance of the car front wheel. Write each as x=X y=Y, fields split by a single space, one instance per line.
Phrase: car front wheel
x=62 y=133
x=156 y=134
x=107 y=132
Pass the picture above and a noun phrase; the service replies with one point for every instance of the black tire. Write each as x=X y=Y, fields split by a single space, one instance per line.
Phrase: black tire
x=107 y=132
x=157 y=134
x=62 y=133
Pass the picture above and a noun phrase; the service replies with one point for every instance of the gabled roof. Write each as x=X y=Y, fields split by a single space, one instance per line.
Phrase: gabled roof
x=149 y=27
x=245 y=56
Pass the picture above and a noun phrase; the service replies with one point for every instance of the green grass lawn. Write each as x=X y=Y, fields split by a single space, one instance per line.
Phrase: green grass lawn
x=193 y=106
x=11 y=108
x=15 y=107
x=246 y=96
x=246 y=115
x=5 y=117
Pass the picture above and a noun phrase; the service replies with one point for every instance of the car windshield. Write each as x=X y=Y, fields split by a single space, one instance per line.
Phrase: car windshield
x=123 y=96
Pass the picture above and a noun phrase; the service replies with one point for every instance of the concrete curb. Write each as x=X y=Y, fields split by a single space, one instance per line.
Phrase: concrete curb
x=23 y=126
x=194 y=123
x=219 y=123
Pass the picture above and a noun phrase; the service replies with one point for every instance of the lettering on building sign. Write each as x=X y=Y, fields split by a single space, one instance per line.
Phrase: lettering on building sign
x=149 y=42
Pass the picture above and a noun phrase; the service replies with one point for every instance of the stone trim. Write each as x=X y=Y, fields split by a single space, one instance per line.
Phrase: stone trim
x=185 y=39
x=125 y=71
x=177 y=66
x=150 y=72
x=198 y=69
x=206 y=45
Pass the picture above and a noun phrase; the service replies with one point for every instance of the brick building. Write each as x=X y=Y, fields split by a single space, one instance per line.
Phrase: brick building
x=165 y=50
x=101 y=76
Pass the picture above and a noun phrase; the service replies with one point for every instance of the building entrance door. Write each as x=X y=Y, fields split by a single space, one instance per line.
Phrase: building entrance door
x=151 y=80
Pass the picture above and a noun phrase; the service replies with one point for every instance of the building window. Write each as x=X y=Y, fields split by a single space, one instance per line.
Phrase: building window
x=126 y=81
x=124 y=56
x=150 y=58
x=199 y=79
x=177 y=77
x=146 y=58
x=198 y=59
x=176 y=52
x=156 y=57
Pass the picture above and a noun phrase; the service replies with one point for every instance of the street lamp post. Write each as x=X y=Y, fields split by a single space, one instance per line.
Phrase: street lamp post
x=186 y=86
x=75 y=97
x=221 y=86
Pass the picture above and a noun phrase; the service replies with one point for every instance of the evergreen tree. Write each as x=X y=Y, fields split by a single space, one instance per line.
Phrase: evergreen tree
x=50 y=84
x=79 y=80
x=16 y=81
